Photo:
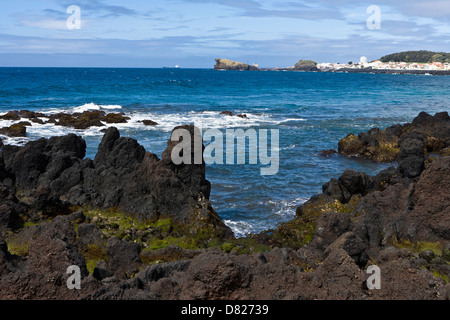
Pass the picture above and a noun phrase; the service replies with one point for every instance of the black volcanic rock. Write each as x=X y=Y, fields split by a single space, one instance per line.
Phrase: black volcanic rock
x=149 y=123
x=57 y=238
x=411 y=157
x=118 y=152
x=115 y=118
x=229 y=113
x=82 y=120
x=384 y=145
x=15 y=130
x=127 y=177
x=8 y=207
x=355 y=182
x=353 y=245
x=31 y=114
x=392 y=219
x=123 y=176
x=411 y=212
x=11 y=115
x=352 y=183
x=3 y=173
x=5 y=257
x=42 y=161
x=328 y=152
x=123 y=257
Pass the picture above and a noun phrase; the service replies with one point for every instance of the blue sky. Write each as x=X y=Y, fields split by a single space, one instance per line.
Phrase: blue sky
x=191 y=33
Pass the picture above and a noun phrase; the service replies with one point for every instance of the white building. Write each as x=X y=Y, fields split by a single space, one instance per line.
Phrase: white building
x=363 y=60
x=375 y=64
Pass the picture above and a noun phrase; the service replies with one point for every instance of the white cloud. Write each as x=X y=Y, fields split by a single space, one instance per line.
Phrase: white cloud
x=430 y=8
x=49 y=24
x=323 y=30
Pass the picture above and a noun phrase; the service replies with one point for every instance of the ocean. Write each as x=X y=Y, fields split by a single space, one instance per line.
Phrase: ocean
x=311 y=111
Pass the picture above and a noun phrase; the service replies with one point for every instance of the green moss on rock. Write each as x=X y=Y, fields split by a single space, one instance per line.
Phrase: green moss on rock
x=379 y=147
x=151 y=234
x=93 y=255
x=299 y=231
x=18 y=247
x=420 y=246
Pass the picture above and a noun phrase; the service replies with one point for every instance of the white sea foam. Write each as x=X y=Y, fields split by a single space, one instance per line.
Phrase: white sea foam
x=93 y=106
x=49 y=130
x=82 y=108
x=286 y=208
x=244 y=228
x=281 y=211
x=291 y=146
x=203 y=119
x=111 y=106
x=291 y=119
x=166 y=122
x=13 y=141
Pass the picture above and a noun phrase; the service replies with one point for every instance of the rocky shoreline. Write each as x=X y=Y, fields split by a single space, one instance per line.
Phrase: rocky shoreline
x=76 y=120
x=140 y=227
x=311 y=66
x=393 y=71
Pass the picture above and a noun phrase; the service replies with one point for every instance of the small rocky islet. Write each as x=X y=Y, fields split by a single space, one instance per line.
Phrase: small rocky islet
x=140 y=227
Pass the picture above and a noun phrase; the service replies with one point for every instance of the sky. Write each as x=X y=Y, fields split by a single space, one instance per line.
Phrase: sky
x=192 y=33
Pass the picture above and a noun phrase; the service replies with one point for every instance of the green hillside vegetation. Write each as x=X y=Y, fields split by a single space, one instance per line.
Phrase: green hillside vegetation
x=421 y=56
x=306 y=65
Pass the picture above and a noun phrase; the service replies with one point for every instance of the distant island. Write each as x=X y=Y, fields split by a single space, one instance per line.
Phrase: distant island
x=225 y=64
x=407 y=62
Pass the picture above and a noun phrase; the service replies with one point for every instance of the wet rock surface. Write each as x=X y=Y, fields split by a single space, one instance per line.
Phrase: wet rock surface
x=77 y=120
x=15 y=130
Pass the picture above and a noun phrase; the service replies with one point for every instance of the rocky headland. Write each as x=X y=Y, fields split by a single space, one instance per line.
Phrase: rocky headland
x=226 y=64
x=140 y=227
x=306 y=65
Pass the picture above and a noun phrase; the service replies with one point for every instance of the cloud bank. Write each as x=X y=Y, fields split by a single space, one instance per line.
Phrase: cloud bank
x=194 y=32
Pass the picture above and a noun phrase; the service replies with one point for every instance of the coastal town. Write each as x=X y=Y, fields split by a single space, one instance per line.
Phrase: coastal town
x=378 y=65
x=382 y=65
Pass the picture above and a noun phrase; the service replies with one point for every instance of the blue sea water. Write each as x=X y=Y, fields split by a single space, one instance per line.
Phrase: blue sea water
x=312 y=112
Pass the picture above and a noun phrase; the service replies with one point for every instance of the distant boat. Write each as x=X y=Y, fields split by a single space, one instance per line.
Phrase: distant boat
x=175 y=67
